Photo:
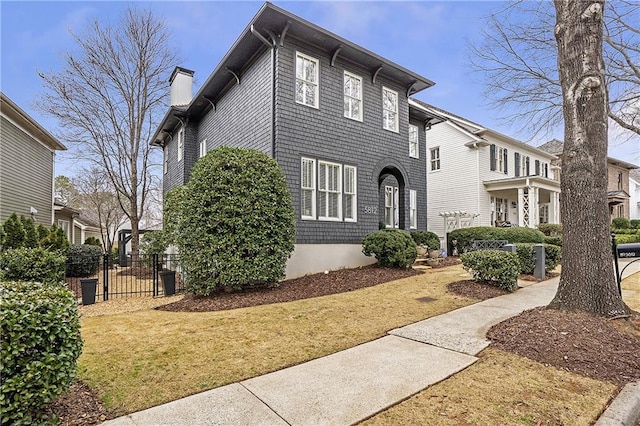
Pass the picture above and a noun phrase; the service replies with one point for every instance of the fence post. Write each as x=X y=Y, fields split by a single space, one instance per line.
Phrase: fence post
x=155 y=274
x=539 y=269
x=105 y=277
x=511 y=248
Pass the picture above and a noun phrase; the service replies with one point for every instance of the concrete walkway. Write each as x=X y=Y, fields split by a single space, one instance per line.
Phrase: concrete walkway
x=354 y=384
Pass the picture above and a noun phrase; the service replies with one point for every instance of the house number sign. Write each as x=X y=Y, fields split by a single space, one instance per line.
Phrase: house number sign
x=370 y=209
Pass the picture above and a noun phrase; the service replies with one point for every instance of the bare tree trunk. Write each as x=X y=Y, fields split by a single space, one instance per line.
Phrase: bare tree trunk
x=587 y=281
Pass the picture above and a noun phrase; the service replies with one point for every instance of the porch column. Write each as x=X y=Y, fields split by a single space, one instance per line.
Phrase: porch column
x=534 y=197
x=521 y=202
x=554 y=210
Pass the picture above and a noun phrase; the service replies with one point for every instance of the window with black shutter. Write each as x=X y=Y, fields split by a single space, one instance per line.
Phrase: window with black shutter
x=505 y=161
x=528 y=172
x=516 y=160
x=537 y=167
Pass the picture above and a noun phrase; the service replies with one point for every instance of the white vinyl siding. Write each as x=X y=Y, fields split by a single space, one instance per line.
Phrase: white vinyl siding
x=307 y=80
x=352 y=96
x=330 y=191
x=180 y=144
x=413 y=209
x=435 y=158
x=389 y=109
x=413 y=142
x=203 y=148
x=308 y=188
x=350 y=194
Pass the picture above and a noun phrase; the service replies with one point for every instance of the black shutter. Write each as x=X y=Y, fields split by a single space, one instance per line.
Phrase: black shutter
x=516 y=160
x=492 y=152
x=537 y=167
x=527 y=166
x=506 y=157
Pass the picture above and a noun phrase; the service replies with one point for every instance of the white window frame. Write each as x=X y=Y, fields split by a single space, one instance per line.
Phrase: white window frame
x=413 y=209
x=64 y=225
x=434 y=160
x=203 y=148
x=500 y=159
x=324 y=191
x=165 y=161
x=311 y=187
x=523 y=165
x=351 y=193
x=414 y=145
x=392 y=112
x=315 y=84
x=350 y=98
x=180 y=144
x=391 y=204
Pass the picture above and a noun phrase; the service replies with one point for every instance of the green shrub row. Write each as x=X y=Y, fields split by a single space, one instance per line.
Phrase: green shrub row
x=426 y=238
x=551 y=229
x=391 y=247
x=465 y=237
x=83 y=260
x=552 y=256
x=555 y=241
x=32 y=264
x=21 y=232
x=40 y=346
x=494 y=267
x=624 y=239
x=635 y=223
x=626 y=231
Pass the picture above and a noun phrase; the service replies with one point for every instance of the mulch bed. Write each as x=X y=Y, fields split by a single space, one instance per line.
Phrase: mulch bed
x=475 y=290
x=79 y=406
x=295 y=289
x=577 y=342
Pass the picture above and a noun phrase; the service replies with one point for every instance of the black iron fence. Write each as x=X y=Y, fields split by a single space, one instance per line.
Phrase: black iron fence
x=142 y=275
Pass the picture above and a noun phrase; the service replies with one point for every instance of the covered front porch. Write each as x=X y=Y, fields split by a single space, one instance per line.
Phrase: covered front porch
x=524 y=201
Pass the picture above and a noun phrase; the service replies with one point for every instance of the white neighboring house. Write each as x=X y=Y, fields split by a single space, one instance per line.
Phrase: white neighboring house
x=479 y=177
x=634 y=194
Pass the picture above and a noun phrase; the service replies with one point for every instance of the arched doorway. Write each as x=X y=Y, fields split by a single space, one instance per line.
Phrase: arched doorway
x=392 y=200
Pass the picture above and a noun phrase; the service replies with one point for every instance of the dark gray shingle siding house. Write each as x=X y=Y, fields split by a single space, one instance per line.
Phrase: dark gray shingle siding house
x=335 y=116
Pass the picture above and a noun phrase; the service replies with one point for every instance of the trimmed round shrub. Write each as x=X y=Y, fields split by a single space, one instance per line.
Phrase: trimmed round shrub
x=556 y=241
x=83 y=260
x=495 y=267
x=391 y=247
x=233 y=222
x=620 y=223
x=426 y=238
x=32 y=264
x=40 y=346
x=550 y=229
x=635 y=223
x=552 y=257
x=466 y=236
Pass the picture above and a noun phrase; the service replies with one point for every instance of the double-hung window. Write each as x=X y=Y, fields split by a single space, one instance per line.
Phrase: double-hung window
x=391 y=212
x=64 y=225
x=307 y=80
x=435 y=158
x=352 y=96
x=330 y=191
x=524 y=163
x=413 y=209
x=389 y=109
x=180 y=144
x=308 y=188
x=350 y=194
x=413 y=141
x=203 y=148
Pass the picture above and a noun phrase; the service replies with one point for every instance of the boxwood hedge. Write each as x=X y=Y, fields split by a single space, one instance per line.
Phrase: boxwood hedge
x=495 y=267
x=552 y=256
x=40 y=346
x=83 y=260
x=466 y=236
x=32 y=264
x=426 y=238
x=391 y=247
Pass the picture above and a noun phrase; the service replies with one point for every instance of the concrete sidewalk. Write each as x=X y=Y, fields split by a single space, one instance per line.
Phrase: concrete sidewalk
x=354 y=384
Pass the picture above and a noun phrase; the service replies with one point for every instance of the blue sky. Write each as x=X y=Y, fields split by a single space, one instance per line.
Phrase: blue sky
x=428 y=37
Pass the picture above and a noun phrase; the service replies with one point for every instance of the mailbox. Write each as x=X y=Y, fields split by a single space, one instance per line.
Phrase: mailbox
x=628 y=250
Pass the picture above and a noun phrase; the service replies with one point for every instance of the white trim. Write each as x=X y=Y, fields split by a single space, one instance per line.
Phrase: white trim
x=311 y=188
x=345 y=96
x=322 y=214
x=180 y=144
x=413 y=209
x=432 y=159
x=202 y=152
x=316 y=83
x=353 y=194
x=396 y=112
x=416 y=142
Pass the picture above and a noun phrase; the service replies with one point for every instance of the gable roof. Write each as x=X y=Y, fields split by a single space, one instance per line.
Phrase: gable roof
x=635 y=174
x=16 y=114
x=273 y=22
x=556 y=147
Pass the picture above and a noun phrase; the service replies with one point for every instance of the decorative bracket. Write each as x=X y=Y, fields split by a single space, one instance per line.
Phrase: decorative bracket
x=284 y=33
x=411 y=86
x=335 y=55
x=234 y=74
x=213 y=104
x=375 y=74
